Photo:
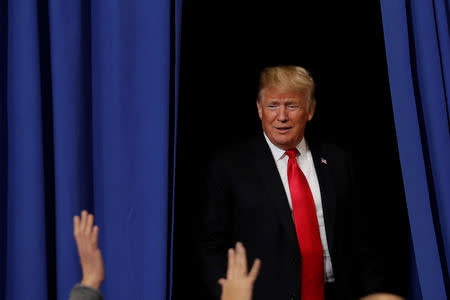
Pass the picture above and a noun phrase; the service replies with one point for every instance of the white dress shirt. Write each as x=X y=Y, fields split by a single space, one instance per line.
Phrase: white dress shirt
x=306 y=164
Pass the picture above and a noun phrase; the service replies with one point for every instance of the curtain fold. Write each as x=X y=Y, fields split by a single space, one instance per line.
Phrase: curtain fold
x=418 y=53
x=26 y=232
x=3 y=144
x=86 y=115
x=177 y=13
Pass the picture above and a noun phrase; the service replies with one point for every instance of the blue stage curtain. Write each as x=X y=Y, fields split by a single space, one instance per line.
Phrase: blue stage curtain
x=87 y=121
x=418 y=54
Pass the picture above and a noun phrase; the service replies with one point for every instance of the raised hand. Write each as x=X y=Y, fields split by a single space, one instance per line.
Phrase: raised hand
x=239 y=283
x=86 y=237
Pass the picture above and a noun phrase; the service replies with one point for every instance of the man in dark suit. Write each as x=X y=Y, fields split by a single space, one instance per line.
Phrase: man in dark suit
x=293 y=203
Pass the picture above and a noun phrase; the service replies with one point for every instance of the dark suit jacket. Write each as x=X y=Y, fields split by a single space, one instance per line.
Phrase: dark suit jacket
x=247 y=202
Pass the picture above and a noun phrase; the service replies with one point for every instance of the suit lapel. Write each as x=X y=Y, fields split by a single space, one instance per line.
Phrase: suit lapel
x=327 y=190
x=273 y=187
x=272 y=184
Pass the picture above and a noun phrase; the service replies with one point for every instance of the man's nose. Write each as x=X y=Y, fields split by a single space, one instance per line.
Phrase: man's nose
x=282 y=114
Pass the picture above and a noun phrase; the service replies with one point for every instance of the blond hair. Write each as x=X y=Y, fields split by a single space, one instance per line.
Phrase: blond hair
x=287 y=78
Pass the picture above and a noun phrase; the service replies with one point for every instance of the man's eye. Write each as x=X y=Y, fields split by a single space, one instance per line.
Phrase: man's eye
x=293 y=106
x=272 y=106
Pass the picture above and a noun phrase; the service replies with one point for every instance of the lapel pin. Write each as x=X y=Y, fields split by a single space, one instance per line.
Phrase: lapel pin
x=323 y=160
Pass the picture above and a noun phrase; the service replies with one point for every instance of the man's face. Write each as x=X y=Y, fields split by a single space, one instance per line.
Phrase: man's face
x=284 y=115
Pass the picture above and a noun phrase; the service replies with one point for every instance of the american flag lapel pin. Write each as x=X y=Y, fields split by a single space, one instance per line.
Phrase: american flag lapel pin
x=323 y=160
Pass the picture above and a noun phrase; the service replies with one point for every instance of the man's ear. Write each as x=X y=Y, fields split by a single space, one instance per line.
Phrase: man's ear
x=312 y=109
x=259 y=105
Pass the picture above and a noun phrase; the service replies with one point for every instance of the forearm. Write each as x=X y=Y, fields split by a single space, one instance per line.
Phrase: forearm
x=92 y=281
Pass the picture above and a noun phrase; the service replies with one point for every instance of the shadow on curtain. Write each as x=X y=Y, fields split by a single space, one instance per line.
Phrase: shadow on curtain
x=87 y=121
x=418 y=51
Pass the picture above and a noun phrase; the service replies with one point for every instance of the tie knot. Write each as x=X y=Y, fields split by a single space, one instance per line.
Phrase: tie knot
x=292 y=153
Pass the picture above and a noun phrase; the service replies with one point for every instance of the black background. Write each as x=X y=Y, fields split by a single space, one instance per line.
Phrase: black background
x=225 y=44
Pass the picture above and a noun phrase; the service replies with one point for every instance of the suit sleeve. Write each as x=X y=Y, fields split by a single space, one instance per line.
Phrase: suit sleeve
x=215 y=232
x=367 y=273
x=82 y=292
x=374 y=275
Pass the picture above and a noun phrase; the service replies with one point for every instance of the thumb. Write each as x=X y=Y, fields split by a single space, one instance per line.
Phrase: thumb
x=222 y=281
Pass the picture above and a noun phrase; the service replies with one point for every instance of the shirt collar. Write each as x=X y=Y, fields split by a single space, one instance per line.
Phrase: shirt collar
x=279 y=153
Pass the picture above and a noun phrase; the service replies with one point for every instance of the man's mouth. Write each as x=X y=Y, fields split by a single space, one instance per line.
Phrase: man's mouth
x=283 y=129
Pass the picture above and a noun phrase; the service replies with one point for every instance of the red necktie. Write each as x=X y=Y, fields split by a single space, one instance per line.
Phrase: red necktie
x=307 y=227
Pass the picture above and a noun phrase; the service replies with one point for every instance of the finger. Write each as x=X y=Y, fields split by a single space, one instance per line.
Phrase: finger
x=231 y=267
x=95 y=236
x=89 y=224
x=83 y=220
x=255 y=270
x=241 y=257
x=76 y=225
